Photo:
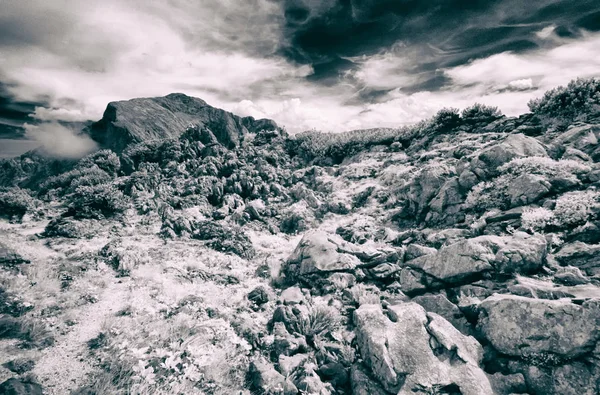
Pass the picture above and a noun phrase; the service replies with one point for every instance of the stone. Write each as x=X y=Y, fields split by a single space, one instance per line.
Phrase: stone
x=439 y=304
x=414 y=351
x=581 y=255
x=414 y=251
x=317 y=253
x=291 y=296
x=258 y=296
x=507 y=384
x=362 y=384
x=527 y=189
x=525 y=327
x=14 y=386
x=456 y=263
x=264 y=378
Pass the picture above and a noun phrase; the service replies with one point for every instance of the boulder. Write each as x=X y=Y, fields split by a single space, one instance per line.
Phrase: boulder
x=486 y=161
x=439 y=304
x=459 y=262
x=264 y=378
x=317 y=253
x=527 y=189
x=414 y=351
x=534 y=328
x=14 y=386
x=584 y=256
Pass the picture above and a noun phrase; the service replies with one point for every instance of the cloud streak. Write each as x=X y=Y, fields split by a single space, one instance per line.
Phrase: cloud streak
x=329 y=65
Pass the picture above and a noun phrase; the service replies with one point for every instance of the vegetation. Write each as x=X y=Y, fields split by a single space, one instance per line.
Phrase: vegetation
x=97 y=201
x=16 y=202
x=579 y=100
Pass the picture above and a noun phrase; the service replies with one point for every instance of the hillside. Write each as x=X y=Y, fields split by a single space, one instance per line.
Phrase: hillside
x=200 y=252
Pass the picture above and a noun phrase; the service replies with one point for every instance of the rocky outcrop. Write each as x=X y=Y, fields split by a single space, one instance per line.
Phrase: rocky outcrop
x=537 y=328
x=415 y=352
x=467 y=259
x=147 y=119
x=486 y=161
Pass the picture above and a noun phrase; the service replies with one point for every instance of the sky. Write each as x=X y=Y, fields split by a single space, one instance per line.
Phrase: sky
x=330 y=65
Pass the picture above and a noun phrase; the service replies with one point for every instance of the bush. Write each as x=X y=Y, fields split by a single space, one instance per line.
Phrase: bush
x=563 y=105
x=575 y=208
x=480 y=113
x=15 y=202
x=571 y=209
x=223 y=239
x=69 y=181
x=446 y=119
x=106 y=160
x=97 y=201
x=544 y=166
x=536 y=219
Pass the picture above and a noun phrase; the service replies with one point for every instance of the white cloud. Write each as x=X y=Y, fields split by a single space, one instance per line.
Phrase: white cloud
x=81 y=55
x=59 y=141
x=521 y=85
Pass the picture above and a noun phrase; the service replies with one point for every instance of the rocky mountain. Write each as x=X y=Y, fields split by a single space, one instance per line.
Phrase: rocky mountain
x=147 y=119
x=457 y=256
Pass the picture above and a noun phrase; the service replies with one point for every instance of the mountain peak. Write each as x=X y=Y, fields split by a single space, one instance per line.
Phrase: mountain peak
x=145 y=119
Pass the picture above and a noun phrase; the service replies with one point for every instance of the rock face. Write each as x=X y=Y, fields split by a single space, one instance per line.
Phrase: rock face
x=414 y=351
x=520 y=253
x=148 y=119
x=526 y=327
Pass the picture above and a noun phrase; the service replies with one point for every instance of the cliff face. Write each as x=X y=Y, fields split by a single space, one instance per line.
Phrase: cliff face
x=157 y=118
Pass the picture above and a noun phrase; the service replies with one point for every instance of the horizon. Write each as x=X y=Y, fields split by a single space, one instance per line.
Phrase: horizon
x=329 y=66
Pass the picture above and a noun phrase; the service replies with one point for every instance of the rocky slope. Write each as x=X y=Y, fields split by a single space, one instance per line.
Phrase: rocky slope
x=459 y=256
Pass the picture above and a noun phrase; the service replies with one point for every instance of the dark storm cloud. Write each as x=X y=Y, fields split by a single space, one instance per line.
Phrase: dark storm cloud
x=13 y=114
x=436 y=33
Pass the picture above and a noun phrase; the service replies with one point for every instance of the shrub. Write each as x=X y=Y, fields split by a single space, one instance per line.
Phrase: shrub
x=575 y=208
x=536 y=219
x=15 y=202
x=545 y=167
x=106 y=160
x=70 y=180
x=562 y=105
x=97 y=201
x=480 y=113
x=446 y=119
x=224 y=239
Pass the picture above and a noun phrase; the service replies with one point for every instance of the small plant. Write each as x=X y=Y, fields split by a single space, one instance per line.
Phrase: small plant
x=536 y=219
x=320 y=320
x=575 y=208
